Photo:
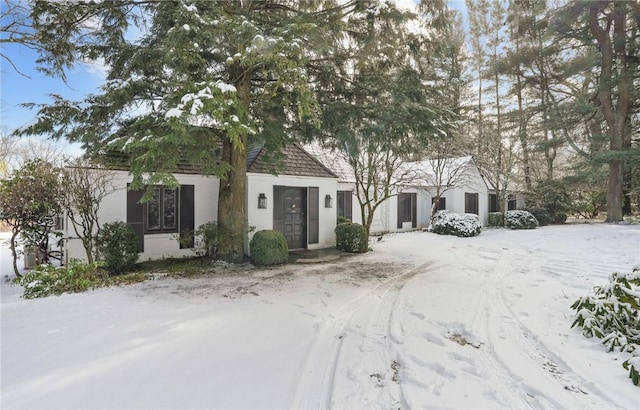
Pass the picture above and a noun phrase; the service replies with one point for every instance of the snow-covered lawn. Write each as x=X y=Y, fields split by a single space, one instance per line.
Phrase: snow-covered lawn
x=423 y=321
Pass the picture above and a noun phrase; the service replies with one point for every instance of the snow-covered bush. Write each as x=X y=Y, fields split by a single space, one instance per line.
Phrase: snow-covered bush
x=611 y=313
x=351 y=237
x=269 y=248
x=518 y=219
x=449 y=223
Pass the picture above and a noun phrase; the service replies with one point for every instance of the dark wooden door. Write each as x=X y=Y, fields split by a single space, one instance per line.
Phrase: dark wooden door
x=294 y=217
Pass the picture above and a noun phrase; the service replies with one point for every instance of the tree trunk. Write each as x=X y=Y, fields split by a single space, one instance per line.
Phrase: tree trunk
x=615 y=116
x=14 y=253
x=232 y=197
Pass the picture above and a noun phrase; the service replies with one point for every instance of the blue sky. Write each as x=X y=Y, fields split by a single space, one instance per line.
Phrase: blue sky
x=35 y=87
x=16 y=88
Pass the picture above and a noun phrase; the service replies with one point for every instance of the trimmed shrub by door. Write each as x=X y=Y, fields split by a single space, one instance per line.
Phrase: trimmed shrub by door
x=519 y=219
x=495 y=219
x=449 y=223
x=269 y=248
x=351 y=237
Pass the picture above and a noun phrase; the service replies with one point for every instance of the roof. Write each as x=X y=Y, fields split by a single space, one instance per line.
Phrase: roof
x=295 y=162
x=332 y=160
x=427 y=171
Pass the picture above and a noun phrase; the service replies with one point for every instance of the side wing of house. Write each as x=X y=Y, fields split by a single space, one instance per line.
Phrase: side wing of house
x=170 y=214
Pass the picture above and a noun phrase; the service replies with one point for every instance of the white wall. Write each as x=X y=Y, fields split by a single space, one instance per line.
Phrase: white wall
x=156 y=246
x=455 y=197
x=263 y=218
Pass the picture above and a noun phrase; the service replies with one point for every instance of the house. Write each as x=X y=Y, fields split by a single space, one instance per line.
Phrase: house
x=297 y=202
x=410 y=206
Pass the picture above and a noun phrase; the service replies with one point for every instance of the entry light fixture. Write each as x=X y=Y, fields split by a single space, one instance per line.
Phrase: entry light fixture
x=328 y=201
x=262 y=201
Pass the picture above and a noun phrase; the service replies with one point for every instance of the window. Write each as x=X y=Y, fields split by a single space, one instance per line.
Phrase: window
x=471 y=203
x=167 y=211
x=161 y=211
x=344 y=204
x=493 y=203
x=407 y=209
x=442 y=203
x=511 y=203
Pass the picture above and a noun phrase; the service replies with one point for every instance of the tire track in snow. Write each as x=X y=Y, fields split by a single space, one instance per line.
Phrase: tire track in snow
x=509 y=339
x=323 y=361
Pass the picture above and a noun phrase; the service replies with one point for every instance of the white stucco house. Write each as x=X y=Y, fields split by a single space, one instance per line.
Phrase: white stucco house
x=302 y=198
x=410 y=207
x=299 y=202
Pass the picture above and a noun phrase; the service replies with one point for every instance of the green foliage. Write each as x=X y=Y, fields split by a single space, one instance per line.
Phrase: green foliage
x=351 y=237
x=462 y=225
x=343 y=220
x=269 y=248
x=495 y=219
x=117 y=245
x=206 y=240
x=588 y=203
x=612 y=313
x=519 y=219
x=76 y=277
x=29 y=203
x=549 y=202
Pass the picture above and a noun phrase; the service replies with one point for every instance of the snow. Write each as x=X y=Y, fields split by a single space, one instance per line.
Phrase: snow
x=422 y=321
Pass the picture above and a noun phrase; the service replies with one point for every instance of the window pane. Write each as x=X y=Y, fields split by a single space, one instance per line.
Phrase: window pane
x=168 y=208
x=153 y=214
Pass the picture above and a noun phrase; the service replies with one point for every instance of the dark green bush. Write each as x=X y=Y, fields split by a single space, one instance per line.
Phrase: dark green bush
x=351 y=237
x=269 y=248
x=520 y=219
x=462 y=225
x=343 y=220
x=495 y=219
x=549 y=202
x=46 y=280
x=117 y=246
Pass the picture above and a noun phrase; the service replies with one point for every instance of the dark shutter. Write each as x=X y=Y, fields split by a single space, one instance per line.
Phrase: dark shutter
x=314 y=214
x=187 y=222
x=414 y=210
x=135 y=215
x=471 y=203
x=278 y=208
x=493 y=203
x=402 y=198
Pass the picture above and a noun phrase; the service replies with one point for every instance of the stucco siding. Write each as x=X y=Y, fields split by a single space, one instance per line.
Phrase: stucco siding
x=260 y=219
x=157 y=246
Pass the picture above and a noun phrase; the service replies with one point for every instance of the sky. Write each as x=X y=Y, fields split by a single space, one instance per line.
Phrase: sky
x=32 y=86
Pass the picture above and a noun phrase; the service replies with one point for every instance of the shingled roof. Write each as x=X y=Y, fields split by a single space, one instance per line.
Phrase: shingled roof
x=296 y=162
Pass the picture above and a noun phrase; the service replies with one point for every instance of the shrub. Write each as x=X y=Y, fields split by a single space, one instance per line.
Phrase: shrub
x=343 y=220
x=495 y=219
x=351 y=237
x=549 y=202
x=269 y=248
x=117 y=246
x=449 y=223
x=520 y=220
x=612 y=313
x=46 y=280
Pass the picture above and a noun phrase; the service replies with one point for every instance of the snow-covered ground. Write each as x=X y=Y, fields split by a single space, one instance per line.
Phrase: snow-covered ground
x=423 y=321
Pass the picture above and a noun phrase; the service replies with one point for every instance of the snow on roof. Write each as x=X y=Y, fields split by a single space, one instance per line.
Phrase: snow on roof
x=332 y=160
x=420 y=173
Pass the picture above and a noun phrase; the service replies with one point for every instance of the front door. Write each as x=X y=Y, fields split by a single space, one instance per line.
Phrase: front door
x=294 y=217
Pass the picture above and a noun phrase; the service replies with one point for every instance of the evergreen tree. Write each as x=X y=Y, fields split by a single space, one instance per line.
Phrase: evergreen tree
x=204 y=81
